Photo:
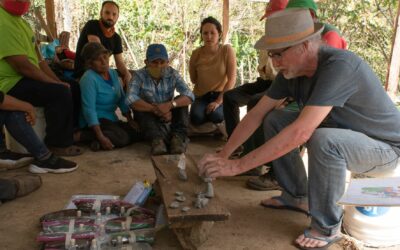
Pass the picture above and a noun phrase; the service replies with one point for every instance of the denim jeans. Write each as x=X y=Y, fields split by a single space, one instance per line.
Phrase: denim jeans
x=153 y=127
x=22 y=132
x=198 y=109
x=247 y=94
x=331 y=151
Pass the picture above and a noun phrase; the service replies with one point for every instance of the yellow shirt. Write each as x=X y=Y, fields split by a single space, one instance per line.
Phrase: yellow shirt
x=210 y=72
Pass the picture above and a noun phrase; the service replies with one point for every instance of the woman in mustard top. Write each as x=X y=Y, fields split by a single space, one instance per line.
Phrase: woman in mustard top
x=212 y=71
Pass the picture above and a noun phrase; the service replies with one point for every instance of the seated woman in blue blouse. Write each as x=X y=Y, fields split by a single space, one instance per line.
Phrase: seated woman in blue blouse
x=102 y=94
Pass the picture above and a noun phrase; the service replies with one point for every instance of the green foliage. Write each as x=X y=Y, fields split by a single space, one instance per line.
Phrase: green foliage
x=367 y=26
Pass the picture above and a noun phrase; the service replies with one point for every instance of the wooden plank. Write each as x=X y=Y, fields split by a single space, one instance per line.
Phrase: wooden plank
x=193 y=237
x=51 y=17
x=392 y=78
x=166 y=169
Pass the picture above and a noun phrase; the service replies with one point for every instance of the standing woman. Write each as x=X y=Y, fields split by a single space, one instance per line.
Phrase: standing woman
x=212 y=71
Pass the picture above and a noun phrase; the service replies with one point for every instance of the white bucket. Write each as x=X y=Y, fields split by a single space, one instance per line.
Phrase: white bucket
x=375 y=226
x=39 y=128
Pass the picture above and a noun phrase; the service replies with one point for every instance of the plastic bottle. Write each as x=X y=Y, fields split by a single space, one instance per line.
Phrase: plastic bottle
x=72 y=245
x=94 y=245
x=99 y=220
x=102 y=238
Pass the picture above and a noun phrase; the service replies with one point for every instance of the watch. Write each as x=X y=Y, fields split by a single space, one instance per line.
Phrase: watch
x=174 y=104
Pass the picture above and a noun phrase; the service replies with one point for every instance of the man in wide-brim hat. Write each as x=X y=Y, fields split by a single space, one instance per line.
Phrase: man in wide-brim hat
x=346 y=121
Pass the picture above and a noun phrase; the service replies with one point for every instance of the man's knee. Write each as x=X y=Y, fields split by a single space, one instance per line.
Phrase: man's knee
x=229 y=96
x=61 y=93
x=321 y=140
x=197 y=119
x=272 y=118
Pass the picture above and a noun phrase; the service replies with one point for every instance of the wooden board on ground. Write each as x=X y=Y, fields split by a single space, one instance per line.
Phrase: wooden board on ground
x=166 y=169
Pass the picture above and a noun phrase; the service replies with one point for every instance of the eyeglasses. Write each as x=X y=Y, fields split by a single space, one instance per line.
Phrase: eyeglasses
x=278 y=55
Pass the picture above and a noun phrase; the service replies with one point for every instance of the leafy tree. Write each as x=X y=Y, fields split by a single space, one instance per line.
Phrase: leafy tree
x=367 y=26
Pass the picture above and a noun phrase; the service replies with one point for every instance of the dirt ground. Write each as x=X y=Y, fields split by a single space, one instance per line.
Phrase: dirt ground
x=249 y=227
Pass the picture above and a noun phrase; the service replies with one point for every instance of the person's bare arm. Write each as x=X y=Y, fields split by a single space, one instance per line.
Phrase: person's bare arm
x=230 y=73
x=288 y=139
x=143 y=106
x=23 y=66
x=44 y=66
x=231 y=76
x=14 y=104
x=93 y=39
x=119 y=62
x=192 y=68
x=104 y=140
x=181 y=101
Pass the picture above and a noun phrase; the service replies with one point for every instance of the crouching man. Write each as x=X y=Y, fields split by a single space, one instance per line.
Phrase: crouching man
x=162 y=117
x=346 y=120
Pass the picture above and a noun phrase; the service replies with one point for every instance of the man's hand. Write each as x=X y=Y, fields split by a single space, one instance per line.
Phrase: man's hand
x=164 y=107
x=212 y=106
x=167 y=117
x=105 y=143
x=63 y=83
x=30 y=114
x=211 y=165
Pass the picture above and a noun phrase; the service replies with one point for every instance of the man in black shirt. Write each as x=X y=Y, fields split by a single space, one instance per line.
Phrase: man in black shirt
x=102 y=31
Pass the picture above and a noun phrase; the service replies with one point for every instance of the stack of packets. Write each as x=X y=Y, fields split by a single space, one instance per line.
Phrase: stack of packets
x=98 y=223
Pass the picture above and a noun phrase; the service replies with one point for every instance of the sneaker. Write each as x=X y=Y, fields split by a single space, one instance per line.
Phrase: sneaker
x=263 y=182
x=177 y=145
x=158 y=147
x=26 y=183
x=10 y=160
x=54 y=164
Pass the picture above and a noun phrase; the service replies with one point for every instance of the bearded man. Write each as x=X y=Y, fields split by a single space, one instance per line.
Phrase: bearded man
x=103 y=31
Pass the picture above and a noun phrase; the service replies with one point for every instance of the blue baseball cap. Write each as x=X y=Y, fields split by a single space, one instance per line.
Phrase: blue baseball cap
x=156 y=51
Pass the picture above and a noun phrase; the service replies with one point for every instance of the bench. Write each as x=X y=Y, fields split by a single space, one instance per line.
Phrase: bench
x=192 y=227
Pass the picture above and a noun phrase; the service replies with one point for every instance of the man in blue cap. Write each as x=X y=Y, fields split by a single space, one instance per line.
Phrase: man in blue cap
x=162 y=116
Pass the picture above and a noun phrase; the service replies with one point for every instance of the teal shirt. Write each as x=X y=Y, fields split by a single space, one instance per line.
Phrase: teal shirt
x=100 y=99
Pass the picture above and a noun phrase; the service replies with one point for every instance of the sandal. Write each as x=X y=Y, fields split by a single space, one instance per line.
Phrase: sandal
x=67 y=151
x=329 y=241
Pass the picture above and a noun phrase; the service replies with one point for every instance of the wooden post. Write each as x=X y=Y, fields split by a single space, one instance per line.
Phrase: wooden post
x=392 y=77
x=44 y=25
x=51 y=18
x=225 y=20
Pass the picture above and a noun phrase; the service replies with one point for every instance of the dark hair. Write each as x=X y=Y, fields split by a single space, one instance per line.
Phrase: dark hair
x=211 y=20
x=110 y=2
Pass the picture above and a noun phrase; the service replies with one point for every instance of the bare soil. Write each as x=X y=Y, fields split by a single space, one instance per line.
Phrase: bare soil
x=251 y=226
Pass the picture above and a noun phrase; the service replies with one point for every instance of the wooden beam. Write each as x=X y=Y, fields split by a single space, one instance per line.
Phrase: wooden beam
x=43 y=24
x=51 y=17
x=392 y=77
x=225 y=20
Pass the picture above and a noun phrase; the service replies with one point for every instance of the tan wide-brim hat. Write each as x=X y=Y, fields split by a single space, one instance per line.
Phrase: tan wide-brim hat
x=287 y=28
